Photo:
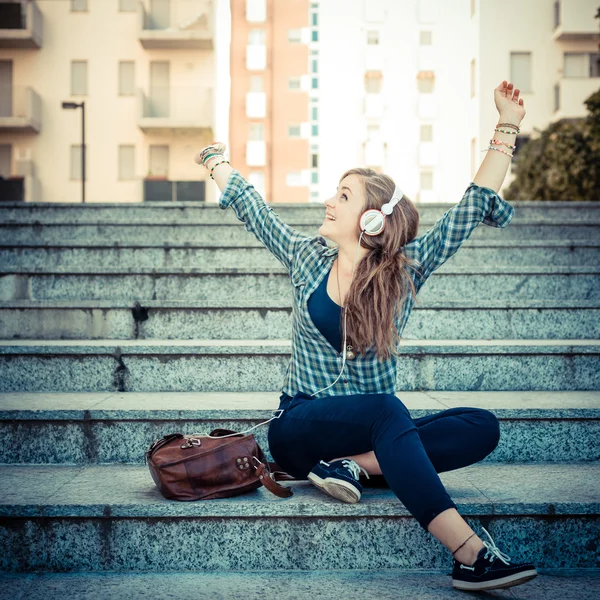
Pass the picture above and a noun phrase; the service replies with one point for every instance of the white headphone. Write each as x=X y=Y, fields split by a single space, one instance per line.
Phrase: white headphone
x=372 y=222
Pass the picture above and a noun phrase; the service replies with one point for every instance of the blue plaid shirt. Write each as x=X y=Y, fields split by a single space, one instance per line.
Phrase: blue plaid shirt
x=314 y=363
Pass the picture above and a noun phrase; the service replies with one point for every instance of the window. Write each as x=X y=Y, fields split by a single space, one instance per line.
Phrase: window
x=257 y=132
x=158 y=161
x=372 y=38
x=427 y=180
x=373 y=85
x=373 y=132
x=315 y=130
x=315 y=161
x=294 y=131
x=79 y=78
x=127 y=5
x=425 y=38
x=578 y=64
x=257 y=83
x=294 y=36
x=520 y=71
x=294 y=83
x=126 y=78
x=256 y=37
x=315 y=65
x=76 y=162
x=315 y=36
x=257 y=179
x=126 y=163
x=314 y=177
x=426 y=133
x=315 y=19
x=473 y=78
x=315 y=113
x=79 y=5
x=315 y=83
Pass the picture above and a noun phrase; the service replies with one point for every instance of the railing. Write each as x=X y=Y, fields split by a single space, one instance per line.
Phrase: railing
x=176 y=15
x=182 y=103
x=163 y=190
x=20 y=101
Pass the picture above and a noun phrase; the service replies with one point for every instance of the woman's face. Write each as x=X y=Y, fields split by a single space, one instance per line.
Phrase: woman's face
x=346 y=206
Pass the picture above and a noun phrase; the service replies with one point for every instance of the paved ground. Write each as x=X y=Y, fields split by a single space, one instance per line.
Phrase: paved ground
x=288 y=585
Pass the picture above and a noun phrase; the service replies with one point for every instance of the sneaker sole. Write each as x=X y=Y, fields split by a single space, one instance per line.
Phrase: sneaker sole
x=504 y=582
x=341 y=490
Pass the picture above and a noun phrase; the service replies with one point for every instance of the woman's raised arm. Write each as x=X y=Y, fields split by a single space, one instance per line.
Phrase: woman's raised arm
x=493 y=169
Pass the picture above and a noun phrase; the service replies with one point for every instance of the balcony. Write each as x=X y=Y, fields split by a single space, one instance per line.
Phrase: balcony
x=569 y=95
x=427 y=106
x=428 y=156
x=21 y=25
x=20 y=109
x=173 y=24
x=256 y=153
x=182 y=109
x=574 y=21
x=256 y=105
x=374 y=153
x=256 y=57
x=158 y=189
x=373 y=106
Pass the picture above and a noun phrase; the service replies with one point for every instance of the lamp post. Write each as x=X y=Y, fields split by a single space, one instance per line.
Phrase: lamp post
x=82 y=106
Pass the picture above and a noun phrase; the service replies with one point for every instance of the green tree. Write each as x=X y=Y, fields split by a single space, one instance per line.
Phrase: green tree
x=563 y=163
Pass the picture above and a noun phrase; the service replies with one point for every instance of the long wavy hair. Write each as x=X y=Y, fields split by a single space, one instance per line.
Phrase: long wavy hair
x=382 y=280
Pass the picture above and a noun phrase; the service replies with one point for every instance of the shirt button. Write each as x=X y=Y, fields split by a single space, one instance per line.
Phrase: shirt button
x=345 y=381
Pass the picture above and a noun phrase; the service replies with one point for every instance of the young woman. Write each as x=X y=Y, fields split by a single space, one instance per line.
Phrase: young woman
x=340 y=416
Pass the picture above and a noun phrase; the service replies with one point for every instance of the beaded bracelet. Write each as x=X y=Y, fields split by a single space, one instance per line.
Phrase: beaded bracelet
x=500 y=143
x=502 y=130
x=509 y=125
x=219 y=163
x=499 y=150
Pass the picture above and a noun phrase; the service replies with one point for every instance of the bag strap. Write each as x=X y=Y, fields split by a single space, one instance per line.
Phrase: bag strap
x=268 y=480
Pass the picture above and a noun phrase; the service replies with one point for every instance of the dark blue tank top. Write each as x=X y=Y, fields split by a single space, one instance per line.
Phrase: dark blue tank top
x=325 y=314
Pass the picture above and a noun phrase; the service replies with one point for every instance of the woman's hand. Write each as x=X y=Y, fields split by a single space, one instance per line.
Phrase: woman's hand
x=215 y=148
x=509 y=105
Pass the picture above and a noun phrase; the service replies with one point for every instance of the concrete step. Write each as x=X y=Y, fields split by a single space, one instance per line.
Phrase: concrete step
x=106 y=319
x=473 y=253
x=198 y=212
x=260 y=365
x=113 y=518
x=263 y=287
x=351 y=584
x=99 y=428
x=234 y=234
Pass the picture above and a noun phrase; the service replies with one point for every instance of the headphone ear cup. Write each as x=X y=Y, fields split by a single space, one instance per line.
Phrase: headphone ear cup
x=372 y=222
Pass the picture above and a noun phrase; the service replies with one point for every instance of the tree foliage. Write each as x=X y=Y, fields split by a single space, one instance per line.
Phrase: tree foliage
x=563 y=163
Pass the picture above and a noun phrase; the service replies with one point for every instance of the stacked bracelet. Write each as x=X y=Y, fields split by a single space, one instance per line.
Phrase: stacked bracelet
x=211 y=171
x=500 y=142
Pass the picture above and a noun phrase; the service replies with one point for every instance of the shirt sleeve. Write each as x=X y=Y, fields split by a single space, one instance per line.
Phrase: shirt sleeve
x=478 y=205
x=259 y=218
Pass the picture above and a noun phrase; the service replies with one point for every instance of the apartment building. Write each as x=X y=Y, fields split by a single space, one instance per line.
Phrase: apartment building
x=407 y=87
x=145 y=74
x=270 y=131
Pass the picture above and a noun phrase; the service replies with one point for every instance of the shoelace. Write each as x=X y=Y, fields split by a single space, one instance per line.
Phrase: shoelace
x=491 y=552
x=354 y=468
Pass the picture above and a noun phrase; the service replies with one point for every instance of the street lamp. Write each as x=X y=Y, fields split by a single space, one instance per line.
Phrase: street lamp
x=82 y=106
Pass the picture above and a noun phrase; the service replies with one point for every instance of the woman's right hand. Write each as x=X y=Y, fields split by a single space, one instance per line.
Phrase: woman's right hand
x=509 y=105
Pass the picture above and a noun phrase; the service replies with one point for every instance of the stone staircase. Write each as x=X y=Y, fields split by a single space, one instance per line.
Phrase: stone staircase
x=119 y=324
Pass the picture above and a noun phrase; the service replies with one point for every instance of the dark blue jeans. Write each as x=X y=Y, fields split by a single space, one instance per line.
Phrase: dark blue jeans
x=411 y=452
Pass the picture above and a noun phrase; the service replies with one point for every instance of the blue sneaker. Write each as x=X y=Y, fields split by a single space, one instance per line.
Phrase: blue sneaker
x=491 y=570
x=339 y=479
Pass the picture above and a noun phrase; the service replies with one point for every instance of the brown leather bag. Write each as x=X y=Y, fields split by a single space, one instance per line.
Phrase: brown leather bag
x=198 y=467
